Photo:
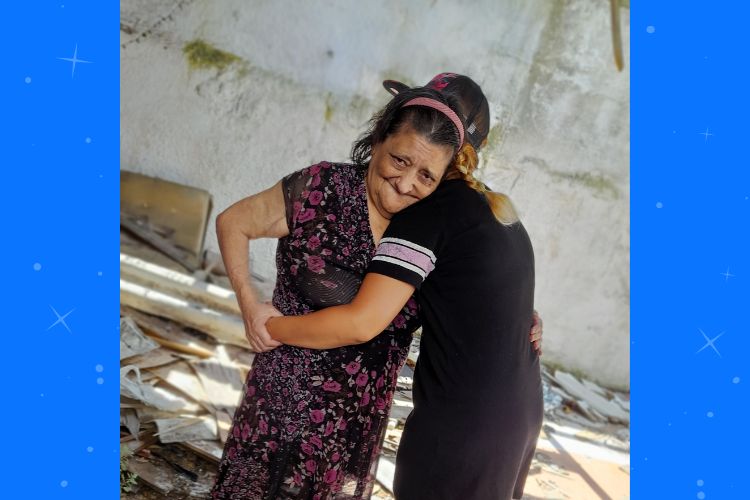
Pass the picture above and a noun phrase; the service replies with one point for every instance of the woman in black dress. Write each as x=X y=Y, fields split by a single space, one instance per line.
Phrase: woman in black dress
x=477 y=385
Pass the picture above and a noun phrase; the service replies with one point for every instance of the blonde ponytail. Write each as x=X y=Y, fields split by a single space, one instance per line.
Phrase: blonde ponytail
x=463 y=168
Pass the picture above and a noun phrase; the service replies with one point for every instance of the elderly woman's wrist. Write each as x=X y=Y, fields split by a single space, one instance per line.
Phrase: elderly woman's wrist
x=246 y=296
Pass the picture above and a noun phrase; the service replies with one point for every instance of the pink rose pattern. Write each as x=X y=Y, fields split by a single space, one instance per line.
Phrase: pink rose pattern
x=310 y=422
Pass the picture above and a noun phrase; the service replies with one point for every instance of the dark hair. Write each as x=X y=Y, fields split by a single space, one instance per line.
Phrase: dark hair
x=435 y=126
x=472 y=106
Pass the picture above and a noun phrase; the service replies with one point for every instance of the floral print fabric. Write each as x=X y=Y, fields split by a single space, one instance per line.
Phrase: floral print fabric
x=310 y=422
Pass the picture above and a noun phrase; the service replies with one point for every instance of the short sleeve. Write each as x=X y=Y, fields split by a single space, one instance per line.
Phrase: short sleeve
x=304 y=191
x=411 y=244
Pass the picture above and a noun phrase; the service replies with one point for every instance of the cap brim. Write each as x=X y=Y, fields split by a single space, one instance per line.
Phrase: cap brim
x=394 y=87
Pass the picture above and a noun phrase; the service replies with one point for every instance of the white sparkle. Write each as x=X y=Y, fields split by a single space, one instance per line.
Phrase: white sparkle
x=710 y=414
x=61 y=319
x=74 y=60
x=727 y=275
x=99 y=368
x=100 y=381
x=706 y=133
x=27 y=79
x=90 y=449
x=650 y=29
x=659 y=204
x=736 y=380
x=701 y=495
x=37 y=266
x=700 y=482
x=64 y=483
x=709 y=343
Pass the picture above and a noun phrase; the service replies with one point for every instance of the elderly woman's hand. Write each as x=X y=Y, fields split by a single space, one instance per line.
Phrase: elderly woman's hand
x=536 y=333
x=255 y=318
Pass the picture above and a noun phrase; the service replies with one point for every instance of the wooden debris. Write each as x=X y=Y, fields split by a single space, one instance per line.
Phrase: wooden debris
x=211 y=450
x=386 y=472
x=182 y=377
x=136 y=247
x=401 y=409
x=157 y=397
x=132 y=340
x=171 y=475
x=184 y=209
x=223 y=327
x=159 y=478
x=140 y=227
x=178 y=430
x=592 y=400
x=157 y=357
x=221 y=379
x=161 y=328
x=177 y=284
x=129 y=418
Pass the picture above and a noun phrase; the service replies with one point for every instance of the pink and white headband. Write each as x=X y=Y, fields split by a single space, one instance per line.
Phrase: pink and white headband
x=447 y=111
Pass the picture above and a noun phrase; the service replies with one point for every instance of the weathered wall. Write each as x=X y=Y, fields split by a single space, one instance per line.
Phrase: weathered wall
x=299 y=80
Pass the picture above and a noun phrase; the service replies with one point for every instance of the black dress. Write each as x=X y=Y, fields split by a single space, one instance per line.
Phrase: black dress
x=477 y=385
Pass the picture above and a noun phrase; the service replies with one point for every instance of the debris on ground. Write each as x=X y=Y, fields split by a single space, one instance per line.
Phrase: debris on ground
x=184 y=360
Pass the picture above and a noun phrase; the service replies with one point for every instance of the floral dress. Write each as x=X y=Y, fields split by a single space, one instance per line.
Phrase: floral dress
x=310 y=423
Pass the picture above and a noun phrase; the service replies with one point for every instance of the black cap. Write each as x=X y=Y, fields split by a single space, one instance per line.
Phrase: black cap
x=473 y=105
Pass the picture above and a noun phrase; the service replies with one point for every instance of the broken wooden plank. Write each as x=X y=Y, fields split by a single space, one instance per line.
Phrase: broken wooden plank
x=223 y=327
x=609 y=409
x=139 y=226
x=159 y=478
x=136 y=247
x=132 y=340
x=177 y=284
x=169 y=478
x=157 y=397
x=182 y=377
x=221 y=379
x=185 y=209
x=157 y=357
x=129 y=418
x=173 y=331
x=211 y=450
x=386 y=472
x=177 y=430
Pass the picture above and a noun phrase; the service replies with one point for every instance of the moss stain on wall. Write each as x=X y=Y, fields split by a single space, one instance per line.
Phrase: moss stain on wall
x=596 y=182
x=202 y=55
x=328 y=114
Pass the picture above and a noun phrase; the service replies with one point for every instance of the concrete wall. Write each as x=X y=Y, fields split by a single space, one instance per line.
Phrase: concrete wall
x=295 y=83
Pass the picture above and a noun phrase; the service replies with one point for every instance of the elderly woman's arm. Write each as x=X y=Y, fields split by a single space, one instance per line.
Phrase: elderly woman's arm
x=262 y=215
x=379 y=300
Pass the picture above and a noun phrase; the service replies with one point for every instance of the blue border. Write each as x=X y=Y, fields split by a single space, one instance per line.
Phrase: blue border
x=60 y=212
x=690 y=272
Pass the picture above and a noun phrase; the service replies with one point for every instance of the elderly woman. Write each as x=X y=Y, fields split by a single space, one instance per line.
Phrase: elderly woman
x=311 y=421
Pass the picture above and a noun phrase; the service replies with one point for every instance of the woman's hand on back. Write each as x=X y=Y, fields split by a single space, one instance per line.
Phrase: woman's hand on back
x=535 y=336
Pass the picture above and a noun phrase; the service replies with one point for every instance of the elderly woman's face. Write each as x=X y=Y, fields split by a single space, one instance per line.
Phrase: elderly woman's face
x=405 y=168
